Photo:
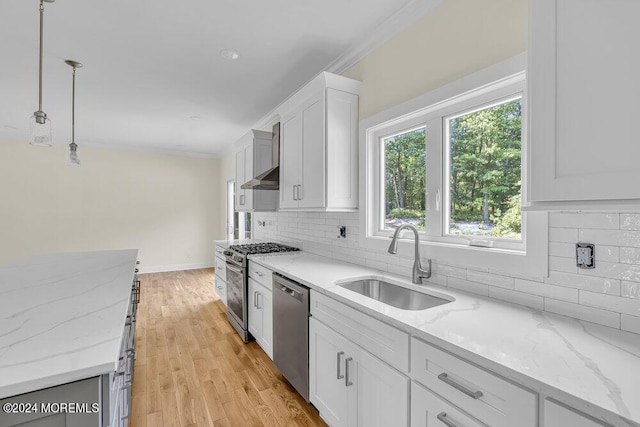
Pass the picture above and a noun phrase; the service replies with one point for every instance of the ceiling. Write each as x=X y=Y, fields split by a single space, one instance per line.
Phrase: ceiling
x=153 y=76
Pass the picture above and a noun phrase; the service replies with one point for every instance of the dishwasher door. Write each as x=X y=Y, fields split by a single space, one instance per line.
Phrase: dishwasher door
x=291 y=332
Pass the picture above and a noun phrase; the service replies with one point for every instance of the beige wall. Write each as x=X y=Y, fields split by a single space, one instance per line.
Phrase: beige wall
x=457 y=38
x=164 y=205
x=226 y=171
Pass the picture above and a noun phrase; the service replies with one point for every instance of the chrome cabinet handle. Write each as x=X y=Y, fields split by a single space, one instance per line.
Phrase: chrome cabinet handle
x=442 y=417
x=242 y=199
x=258 y=301
x=294 y=192
x=338 y=356
x=473 y=394
x=260 y=274
x=347 y=382
x=255 y=298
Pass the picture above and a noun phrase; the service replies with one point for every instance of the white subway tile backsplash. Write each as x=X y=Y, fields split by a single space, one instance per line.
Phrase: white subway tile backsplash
x=608 y=294
x=545 y=290
x=611 y=237
x=516 y=297
x=590 y=314
x=449 y=271
x=568 y=265
x=630 y=255
x=610 y=302
x=465 y=285
x=630 y=221
x=490 y=279
x=584 y=220
x=567 y=235
x=630 y=323
x=630 y=290
x=594 y=284
x=614 y=270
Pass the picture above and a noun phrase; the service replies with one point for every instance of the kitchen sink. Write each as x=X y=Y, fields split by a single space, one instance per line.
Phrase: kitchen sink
x=397 y=296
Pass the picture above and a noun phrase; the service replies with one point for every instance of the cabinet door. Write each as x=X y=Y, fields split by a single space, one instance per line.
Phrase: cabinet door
x=327 y=390
x=342 y=149
x=248 y=174
x=583 y=110
x=265 y=306
x=255 y=316
x=240 y=196
x=289 y=160
x=428 y=409
x=311 y=193
x=556 y=415
x=382 y=393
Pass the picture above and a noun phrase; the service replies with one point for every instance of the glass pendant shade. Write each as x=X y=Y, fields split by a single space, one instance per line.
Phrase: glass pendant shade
x=40 y=130
x=72 y=155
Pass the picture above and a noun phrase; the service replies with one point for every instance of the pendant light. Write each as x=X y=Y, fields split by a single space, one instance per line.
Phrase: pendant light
x=40 y=123
x=72 y=154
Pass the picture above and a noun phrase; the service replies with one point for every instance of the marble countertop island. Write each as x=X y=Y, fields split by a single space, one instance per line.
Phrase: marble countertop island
x=593 y=368
x=62 y=317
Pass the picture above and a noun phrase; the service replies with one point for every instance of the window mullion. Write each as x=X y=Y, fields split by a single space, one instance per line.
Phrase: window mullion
x=435 y=191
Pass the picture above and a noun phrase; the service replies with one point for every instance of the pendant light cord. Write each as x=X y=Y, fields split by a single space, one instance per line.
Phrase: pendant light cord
x=40 y=66
x=73 y=108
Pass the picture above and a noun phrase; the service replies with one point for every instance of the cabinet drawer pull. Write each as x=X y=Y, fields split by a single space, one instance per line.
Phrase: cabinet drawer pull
x=442 y=417
x=255 y=299
x=473 y=394
x=259 y=274
x=258 y=301
x=294 y=192
x=347 y=382
x=338 y=357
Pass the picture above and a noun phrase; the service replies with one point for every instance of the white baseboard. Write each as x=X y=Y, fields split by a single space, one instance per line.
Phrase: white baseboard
x=175 y=267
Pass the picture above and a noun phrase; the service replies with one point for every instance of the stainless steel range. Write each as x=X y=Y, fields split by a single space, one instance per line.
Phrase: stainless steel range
x=237 y=281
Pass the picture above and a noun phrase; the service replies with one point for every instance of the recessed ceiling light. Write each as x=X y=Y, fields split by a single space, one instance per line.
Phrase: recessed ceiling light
x=194 y=117
x=230 y=54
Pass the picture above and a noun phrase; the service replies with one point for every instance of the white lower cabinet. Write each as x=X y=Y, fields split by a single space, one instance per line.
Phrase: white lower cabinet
x=220 y=281
x=349 y=386
x=427 y=409
x=261 y=315
x=557 y=415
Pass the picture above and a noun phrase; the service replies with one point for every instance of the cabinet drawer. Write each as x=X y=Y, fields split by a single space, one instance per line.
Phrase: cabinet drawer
x=427 y=409
x=220 y=252
x=497 y=402
x=221 y=289
x=221 y=268
x=260 y=274
x=386 y=342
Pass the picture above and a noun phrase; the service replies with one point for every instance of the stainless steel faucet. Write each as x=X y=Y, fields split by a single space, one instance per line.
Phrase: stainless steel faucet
x=418 y=272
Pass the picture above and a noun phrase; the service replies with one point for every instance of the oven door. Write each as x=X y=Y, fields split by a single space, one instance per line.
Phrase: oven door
x=237 y=295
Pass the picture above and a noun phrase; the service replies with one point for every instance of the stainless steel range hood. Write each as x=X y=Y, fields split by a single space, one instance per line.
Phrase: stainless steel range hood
x=270 y=179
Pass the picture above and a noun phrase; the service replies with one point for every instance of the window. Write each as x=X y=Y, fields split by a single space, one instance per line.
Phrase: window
x=484 y=171
x=404 y=179
x=451 y=162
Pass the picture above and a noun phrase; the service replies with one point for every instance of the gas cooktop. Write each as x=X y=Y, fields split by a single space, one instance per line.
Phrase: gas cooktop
x=262 y=248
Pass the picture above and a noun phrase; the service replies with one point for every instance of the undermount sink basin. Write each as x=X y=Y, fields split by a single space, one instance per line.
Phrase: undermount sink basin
x=394 y=295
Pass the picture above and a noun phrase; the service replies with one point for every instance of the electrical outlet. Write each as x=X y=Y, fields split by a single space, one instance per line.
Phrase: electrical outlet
x=586 y=255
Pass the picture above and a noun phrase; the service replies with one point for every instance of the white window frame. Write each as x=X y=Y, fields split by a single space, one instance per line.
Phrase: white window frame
x=499 y=82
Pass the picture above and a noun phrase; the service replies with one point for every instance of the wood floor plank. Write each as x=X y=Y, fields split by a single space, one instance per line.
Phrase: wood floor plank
x=192 y=368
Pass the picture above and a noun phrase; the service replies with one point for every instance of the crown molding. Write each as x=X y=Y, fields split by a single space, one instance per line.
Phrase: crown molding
x=402 y=19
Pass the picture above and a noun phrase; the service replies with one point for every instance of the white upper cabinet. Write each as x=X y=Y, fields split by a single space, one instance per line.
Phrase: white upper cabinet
x=253 y=156
x=319 y=146
x=583 y=80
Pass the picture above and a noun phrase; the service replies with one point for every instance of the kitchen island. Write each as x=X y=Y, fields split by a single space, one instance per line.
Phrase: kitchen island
x=68 y=318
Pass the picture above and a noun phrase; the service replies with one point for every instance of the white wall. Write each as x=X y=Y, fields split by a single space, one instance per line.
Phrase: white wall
x=164 y=205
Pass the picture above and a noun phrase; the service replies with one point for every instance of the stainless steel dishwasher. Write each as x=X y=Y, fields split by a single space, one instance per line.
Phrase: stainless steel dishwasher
x=291 y=332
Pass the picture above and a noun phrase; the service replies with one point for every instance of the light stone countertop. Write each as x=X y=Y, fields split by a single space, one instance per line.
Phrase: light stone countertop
x=62 y=317
x=590 y=367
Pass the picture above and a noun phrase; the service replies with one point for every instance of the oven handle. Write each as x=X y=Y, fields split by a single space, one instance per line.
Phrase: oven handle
x=234 y=269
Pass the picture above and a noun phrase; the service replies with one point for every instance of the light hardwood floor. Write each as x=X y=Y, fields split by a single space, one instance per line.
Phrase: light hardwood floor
x=192 y=369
